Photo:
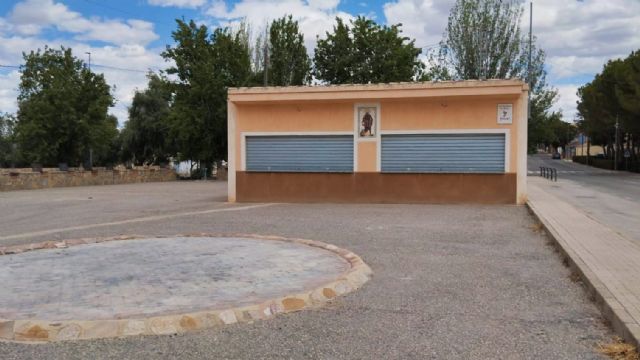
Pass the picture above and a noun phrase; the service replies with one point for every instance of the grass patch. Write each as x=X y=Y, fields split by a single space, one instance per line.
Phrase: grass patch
x=619 y=350
x=575 y=277
x=537 y=227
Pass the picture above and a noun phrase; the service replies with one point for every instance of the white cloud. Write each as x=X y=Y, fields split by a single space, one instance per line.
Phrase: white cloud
x=9 y=91
x=567 y=98
x=323 y=4
x=563 y=67
x=218 y=9
x=580 y=36
x=127 y=47
x=424 y=20
x=30 y=17
x=178 y=3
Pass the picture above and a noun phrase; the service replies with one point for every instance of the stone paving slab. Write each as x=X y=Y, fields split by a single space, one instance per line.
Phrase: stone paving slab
x=111 y=287
x=608 y=262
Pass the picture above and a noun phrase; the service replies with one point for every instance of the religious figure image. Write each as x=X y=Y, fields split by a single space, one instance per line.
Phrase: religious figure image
x=367 y=121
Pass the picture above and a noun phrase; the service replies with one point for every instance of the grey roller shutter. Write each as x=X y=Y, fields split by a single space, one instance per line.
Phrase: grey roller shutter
x=300 y=153
x=450 y=153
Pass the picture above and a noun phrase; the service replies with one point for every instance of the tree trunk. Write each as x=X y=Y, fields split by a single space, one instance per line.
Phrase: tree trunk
x=588 y=149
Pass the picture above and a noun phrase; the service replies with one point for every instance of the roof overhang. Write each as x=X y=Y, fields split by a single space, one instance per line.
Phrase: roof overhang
x=378 y=91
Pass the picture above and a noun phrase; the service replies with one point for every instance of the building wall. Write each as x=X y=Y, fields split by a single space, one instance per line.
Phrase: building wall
x=335 y=115
x=580 y=150
x=22 y=180
x=371 y=187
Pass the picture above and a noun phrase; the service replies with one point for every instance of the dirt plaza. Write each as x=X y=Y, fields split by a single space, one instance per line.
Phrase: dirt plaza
x=449 y=281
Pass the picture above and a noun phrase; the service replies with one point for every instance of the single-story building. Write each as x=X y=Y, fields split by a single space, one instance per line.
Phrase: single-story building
x=441 y=142
x=578 y=147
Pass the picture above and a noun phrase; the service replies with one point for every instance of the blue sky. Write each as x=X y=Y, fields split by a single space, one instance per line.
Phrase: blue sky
x=578 y=36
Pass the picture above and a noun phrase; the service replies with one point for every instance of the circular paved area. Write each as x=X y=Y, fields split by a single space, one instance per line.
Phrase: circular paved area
x=161 y=280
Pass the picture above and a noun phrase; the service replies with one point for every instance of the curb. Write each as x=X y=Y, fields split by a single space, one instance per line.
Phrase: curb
x=612 y=310
x=42 y=331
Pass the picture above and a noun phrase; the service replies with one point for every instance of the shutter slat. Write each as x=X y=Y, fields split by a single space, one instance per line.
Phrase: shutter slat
x=300 y=153
x=464 y=153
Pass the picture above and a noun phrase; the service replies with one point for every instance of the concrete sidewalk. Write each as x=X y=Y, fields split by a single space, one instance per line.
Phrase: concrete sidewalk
x=608 y=262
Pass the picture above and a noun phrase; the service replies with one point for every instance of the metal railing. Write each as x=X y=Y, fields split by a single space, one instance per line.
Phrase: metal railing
x=549 y=173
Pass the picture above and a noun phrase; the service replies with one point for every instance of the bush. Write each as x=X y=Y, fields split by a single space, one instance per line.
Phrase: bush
x=608 y=164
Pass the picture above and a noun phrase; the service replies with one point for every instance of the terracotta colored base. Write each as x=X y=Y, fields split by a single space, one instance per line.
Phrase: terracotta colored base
x=376 y=188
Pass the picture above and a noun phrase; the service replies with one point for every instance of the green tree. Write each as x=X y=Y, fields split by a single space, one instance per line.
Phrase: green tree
x=366 y=53
x=145 y=137
x=628 y=96
x=483 y=40
x=289 y=63
x=561 y=132
x=543 y=126
x=62 y=109
x=7 y=156
x=258 y=58
x=612 y=96
x=599 y=108
x=205 y=66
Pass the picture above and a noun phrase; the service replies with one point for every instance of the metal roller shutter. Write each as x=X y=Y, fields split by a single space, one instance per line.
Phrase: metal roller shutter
x=449 y=153
x=300 y=153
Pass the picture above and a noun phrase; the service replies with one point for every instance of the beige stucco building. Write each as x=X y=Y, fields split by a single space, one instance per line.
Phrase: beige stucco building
x=445 y=142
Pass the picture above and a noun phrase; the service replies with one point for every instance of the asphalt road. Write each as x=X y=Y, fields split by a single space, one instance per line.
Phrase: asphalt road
x=450 y=282
x=610 y=197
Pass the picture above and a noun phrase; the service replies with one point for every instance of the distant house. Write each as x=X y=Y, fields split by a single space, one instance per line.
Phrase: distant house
x=578 y=147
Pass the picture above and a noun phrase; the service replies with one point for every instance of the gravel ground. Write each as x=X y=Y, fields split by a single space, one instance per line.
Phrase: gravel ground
x=471 y=282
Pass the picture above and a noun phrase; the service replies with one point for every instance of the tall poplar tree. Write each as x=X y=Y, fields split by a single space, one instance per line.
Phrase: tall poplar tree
x=483 y=40
x=288 y=61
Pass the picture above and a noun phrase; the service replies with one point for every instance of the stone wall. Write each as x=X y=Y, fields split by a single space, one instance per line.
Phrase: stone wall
x=25 y=179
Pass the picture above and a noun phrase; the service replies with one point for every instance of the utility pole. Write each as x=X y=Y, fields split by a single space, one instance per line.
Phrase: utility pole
x=90 y=148
x=615 y=152
x=529 y=77
x=88 y=53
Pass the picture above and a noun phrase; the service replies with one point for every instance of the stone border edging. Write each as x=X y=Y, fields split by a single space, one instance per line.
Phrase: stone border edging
x=612 y=310
x=40 y=331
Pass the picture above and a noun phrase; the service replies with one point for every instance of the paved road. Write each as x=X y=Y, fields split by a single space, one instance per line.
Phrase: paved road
x=609 y=197
x=450 y=282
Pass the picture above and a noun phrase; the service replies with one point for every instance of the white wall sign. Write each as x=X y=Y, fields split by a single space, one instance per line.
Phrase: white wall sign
x=505 y=113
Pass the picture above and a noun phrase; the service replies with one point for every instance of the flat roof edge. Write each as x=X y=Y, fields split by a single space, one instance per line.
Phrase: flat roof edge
x=377 y=87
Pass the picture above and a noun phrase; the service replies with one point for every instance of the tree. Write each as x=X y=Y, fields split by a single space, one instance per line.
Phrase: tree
x=145 y=137
x=366 y=53
x=7 y=156
x=289 y=63
x=483 y=40
x=612 y=97
x=62 y=109
x=258 y=58
x=628 y=96
x=205 y=66
x=543 y=126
